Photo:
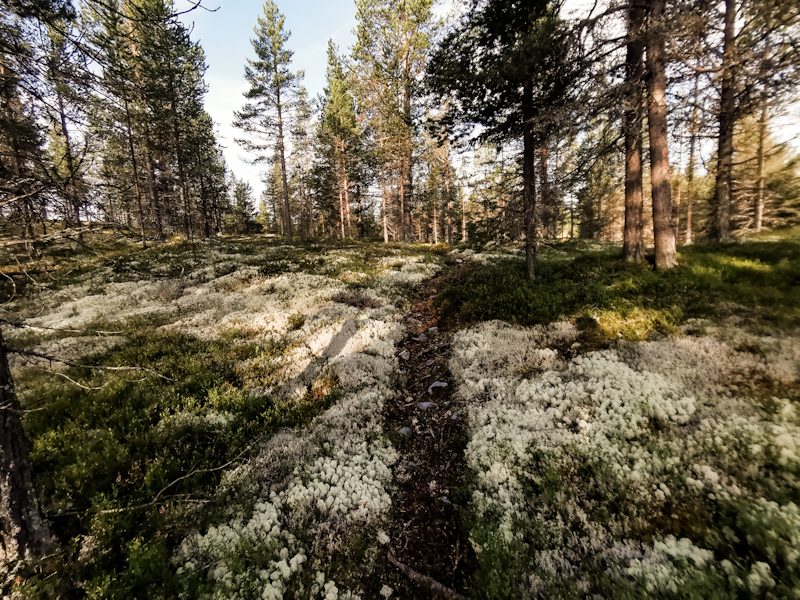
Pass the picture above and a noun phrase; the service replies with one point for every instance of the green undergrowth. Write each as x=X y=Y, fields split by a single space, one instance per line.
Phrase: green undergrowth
x=757 y=281
x=124 y=469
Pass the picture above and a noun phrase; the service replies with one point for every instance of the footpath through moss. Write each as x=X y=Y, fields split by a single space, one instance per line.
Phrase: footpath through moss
x=426 y=426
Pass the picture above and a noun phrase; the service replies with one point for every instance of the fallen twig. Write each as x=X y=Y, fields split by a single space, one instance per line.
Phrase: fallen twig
x=430 y=584
x=20 y=325
x=93 y=367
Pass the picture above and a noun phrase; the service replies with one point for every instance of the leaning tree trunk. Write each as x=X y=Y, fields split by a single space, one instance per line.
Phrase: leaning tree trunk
x=633 y=234
x=727 y=118
x=664 y=234
x=23 y=531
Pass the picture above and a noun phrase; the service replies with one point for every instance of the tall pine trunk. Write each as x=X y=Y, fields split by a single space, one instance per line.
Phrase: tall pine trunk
x=664 y=234
x=449 y=197
x=383 y=208
x=758 y=213
x=283 y=162
x=694 y=128
x=406 y=175
x=727 y=119
x=135 y=172
x=153 y=190
x=529 y=179
x=73 y=196
x=341 y=195
x=633 y=234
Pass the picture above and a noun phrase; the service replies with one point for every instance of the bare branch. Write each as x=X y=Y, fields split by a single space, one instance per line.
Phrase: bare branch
x=22 y=352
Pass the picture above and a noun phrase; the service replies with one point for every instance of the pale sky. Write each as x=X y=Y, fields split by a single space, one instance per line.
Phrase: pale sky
x=225 y=36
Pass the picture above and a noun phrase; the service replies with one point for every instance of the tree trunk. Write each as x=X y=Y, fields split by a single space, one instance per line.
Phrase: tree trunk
x=695 y=126
x=283 y=162
x=402 y=210
x=572 y=219
x=664 y=235
x=463 y=221
x=25 y=533
x=347 y=195
x=678 y=207
x=633 y=233
x=406 y=176
x=383 y=208
x=341 y=195
x=547 y=208
x=449 y=232
x=435 y=224
x=360 y=213
x=727 y=119
x=204 y=208
x=151 y=188
x=73 y=198
x=135 y=172
x=529 y=179
x=27 y=208
x=758 y=212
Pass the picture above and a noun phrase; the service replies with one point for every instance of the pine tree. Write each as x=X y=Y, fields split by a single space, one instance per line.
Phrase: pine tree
x=272 y=88
x=513 y=69
x=339 y=133
x=394 y=41
x=663 y=232
x=633 y=243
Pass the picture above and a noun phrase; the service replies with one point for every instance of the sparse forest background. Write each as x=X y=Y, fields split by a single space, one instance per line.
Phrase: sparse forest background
x=103 y=124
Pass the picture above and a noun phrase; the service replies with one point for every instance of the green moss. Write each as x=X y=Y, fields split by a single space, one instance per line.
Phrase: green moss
x=754 y=280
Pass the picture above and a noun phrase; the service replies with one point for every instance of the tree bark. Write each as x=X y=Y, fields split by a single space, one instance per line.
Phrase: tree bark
x=341 y=195
x=402 y=210
x=664 y=234
x=695 y=126
x=204 y=208
x=547 y=221
x=463 y=220
x=529 y=179
x=762 y=167
x=73 y=197
x=151 y=187
x=383 y=208
x=406 y=175
x=24 y=533
x=283 y=161
x=727 y=119
x=346 y=194
x=633 y=233
x=135 y=172
x=449 y=232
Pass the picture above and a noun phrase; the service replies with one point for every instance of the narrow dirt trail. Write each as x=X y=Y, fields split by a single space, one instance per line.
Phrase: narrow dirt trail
x=427 y=429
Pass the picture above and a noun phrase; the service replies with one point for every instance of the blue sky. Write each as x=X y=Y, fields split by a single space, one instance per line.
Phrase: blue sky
x=225 y=36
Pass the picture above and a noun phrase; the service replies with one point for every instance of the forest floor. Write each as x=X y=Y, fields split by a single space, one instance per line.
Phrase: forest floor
x=404 y=421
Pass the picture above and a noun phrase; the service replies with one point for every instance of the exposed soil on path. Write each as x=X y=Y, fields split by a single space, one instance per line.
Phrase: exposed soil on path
x=426 y=425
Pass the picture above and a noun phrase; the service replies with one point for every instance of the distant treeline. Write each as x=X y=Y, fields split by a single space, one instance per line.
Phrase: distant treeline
x=102 y=119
